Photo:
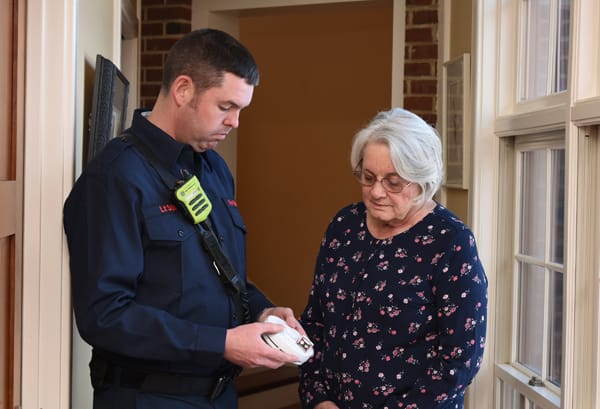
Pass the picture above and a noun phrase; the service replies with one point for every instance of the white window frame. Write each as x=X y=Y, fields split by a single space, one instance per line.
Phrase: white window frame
x=509 y=372
x=497 y=113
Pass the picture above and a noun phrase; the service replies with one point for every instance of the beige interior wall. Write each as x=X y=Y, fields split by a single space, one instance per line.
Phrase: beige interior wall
x=96 y=25
x=325 y=71
x=460 y=31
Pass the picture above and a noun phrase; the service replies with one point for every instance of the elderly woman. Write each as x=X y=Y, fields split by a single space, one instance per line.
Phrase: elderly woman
x=399 y=296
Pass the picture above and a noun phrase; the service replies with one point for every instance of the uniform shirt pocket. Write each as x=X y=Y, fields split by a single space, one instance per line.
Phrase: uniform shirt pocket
x=167 y=233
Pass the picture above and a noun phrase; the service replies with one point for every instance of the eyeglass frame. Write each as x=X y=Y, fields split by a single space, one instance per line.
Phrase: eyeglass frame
x=359 y=172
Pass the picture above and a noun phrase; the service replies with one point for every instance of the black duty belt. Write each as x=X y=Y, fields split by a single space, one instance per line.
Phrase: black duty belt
x=164 y=383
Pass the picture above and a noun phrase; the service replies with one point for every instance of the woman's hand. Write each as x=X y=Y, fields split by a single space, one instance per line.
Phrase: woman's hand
x=327 y=405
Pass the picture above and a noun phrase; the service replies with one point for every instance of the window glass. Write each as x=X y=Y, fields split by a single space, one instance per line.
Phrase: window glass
x=556 y=327
x=557 y=203
x=545 y=47
x=533 y=203
x=531 y=316
x=538 y=30
x=539 y=258
x=562 y=47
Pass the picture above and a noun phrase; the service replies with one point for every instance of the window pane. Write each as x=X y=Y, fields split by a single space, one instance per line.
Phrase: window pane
x=546 y=47
x=557 y=183
x=556 y=319
x=562 y=48
x=531 y=316
x=533 y=206
x=537 y=46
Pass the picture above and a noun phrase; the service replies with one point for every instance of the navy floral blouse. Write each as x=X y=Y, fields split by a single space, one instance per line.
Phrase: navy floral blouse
x=399 y=322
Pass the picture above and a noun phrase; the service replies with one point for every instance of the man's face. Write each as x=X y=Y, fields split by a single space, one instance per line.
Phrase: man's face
x=208 y=117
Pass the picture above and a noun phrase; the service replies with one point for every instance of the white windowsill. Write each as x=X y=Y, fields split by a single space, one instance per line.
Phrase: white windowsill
x=542 y=396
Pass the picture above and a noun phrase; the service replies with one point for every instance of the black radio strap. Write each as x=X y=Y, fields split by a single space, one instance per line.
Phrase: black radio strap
x=225 y=270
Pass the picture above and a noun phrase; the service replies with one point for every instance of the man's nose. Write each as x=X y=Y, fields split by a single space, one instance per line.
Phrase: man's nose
x=233 y=119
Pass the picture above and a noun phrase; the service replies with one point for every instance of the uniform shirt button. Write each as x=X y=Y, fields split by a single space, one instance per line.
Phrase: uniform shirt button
x=180 y=233
x=221 y=237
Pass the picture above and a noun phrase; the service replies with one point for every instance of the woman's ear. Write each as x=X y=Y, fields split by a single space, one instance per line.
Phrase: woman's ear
x=182 y=90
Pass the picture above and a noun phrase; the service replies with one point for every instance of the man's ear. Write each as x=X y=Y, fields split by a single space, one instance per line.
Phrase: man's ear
x=182 y=90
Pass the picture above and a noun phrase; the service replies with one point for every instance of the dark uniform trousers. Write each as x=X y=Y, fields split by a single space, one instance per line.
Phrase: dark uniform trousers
x=115 y=397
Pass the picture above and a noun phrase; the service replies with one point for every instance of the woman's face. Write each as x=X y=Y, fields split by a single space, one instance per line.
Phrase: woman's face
x=384 y=207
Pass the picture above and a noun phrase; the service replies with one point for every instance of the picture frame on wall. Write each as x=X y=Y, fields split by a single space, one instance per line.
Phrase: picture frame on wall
x=456 y=121
x=109 y=105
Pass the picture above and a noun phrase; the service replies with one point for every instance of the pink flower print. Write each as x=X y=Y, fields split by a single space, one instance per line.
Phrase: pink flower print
x=380 y=285
x=359 y=343
x=434 y=374
x=418 y=258
x=357 y=256
x=413 y=327
x=436 y=258
x=442 y=397
x=456 y=352
x=334 y=244
x=432 y=353
x=341 y=262
x=372 y=328
x=361 y=235
x=330 y=306
x=412 y=360
x=470 y=323
x=401 y=253
x=357 y=316
x=449 y=309
x=383 y=265
x=346 y=378
x=391 y=310
x=465 y=269
x=364 y=366
x=424 y=239
x=333 y=278
x=416 y=280
x=384 y=390
x=341 y=294
x=397 y=352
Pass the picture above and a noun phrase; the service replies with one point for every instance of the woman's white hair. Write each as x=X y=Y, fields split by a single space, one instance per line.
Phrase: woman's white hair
x=415 y=148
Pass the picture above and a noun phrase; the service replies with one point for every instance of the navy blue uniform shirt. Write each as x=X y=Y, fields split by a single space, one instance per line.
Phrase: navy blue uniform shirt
x=143 y=287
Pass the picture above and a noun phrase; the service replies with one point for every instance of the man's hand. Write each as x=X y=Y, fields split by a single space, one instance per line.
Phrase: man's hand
x=245 y=347
x=286 y=314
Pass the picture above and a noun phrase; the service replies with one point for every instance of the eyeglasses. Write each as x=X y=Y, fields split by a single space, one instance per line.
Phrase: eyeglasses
x=391 y=184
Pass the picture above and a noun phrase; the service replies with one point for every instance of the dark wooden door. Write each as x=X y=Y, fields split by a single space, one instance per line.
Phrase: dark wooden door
x=11 y=114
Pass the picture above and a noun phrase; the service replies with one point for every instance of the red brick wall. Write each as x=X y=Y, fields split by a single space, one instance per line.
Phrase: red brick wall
x=165 y=21
x=421 y=55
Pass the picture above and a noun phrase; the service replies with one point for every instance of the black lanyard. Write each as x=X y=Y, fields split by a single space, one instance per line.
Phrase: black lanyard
x=229 y=278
